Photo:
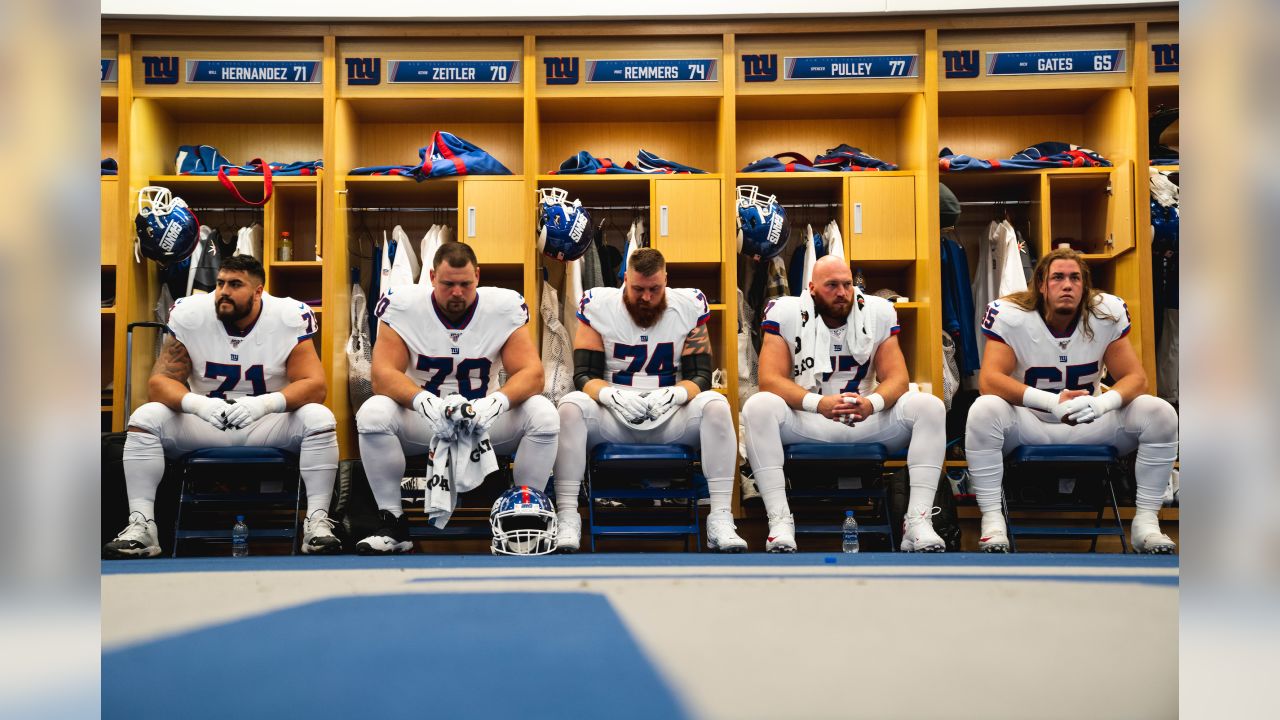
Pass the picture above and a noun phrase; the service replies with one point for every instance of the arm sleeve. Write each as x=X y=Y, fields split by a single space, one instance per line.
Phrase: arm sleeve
x=588 y=365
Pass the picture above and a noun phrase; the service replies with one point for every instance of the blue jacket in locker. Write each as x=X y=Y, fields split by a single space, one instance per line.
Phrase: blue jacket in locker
x=448 y=155
x=1037 y=157
x=957 y=305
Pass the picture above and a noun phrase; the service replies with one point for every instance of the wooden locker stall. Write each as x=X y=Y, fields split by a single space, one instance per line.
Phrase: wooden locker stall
x=113 y=235
x=750 y=89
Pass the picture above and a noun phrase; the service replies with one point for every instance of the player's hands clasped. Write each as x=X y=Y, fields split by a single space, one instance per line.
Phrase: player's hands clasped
x=847 y=408
x=628 y=405
x=487 y=410
x=665 y=400
x=432 y=408
x=211 y=410
x=247 y=409
x=1087 y=408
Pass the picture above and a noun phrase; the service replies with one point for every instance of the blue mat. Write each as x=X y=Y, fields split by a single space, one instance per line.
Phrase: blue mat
x=420 y=656
x=644 y=560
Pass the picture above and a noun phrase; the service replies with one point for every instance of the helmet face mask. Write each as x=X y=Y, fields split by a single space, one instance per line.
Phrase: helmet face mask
x=523 y=522
x=165 y=228
x=762 y=223
x=562 y=225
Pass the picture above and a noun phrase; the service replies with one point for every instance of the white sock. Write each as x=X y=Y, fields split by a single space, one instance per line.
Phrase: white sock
x=772 y=485
x=721 y=491
x=383 y=459
x=924 y=488
x=318 y=463
x=571 y=456
x=992 y=520
x=143 y=471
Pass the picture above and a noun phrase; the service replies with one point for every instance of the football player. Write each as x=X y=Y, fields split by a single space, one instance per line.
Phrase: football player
x=817 y=362
x=240 y=369
x=450 y=338
x=1040 y=384
x=642 y=359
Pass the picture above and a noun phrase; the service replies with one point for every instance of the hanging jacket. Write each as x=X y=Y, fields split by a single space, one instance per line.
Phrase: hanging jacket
x=957 y=303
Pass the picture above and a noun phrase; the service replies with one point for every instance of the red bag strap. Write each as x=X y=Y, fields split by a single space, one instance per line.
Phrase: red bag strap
x=266 y=183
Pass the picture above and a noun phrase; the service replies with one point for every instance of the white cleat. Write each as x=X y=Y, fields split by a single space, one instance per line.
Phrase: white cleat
x=317 y=535
x=1147 y=538
x=139 y=539
x=721 y=535
x=918 y=534
x=782 y=534
x=568 y=532
x=994 y=537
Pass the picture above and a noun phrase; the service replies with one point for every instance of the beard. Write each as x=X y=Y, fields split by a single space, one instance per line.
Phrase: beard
x=833 y=313
x=229 y=312
x=645 y=315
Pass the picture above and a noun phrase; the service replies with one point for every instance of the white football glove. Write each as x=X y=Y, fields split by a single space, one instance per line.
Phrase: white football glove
x=459 y=415
x=664 y=400
x=211 y=410
x=247 y=409
x=628 y=405
x=487 y=411
x=431 y=407
x=1048 y=402
x=1087 y=408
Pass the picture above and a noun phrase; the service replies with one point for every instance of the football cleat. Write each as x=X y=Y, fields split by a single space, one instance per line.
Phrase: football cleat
x=569 y=532
x=782 y=534
x=392 y=536
x=139 y=539
x=317 y=535
x=918 y=534
x=1147 y=538
x=720 y=533
x=995 y=536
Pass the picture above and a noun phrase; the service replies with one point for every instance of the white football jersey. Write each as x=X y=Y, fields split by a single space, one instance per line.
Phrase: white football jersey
x=454 y=358
x=1048 y=362
x=636 y=357
x=782 y=318
x=230 y=366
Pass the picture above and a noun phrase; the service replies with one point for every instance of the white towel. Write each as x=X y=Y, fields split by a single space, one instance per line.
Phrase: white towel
x=456 y=463
x=401 y=273
x=430 y=244
x=814 y=352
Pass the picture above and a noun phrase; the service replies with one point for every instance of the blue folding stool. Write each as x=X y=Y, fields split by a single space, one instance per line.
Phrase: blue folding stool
x=1062 y=478
x=614 y=470
x=230 y=458
x=859 y=466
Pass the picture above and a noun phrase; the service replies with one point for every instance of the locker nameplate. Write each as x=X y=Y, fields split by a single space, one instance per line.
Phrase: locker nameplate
x=107 y=70
x=622 y=71
x=274 y=72
x=846 y=67
x=1055 y=62
x=453 y=71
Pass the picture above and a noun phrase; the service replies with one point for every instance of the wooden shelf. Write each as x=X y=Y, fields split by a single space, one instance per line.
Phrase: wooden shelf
x=716 y=307
x=912 y=305
x=108 y=310
x=295 y=264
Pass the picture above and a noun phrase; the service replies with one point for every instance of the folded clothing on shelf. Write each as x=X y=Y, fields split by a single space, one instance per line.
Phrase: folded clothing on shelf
x=798 y=163
x=647 y=163
x=850 y=159
x=206 y=160
x=1038 y=156
x=448 y=155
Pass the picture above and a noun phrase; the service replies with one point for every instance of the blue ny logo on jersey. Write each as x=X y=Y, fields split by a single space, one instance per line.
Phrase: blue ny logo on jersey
x=561 y=70
x=364 y=71
x=160 y=70
x=760 y=68
x=962 y=63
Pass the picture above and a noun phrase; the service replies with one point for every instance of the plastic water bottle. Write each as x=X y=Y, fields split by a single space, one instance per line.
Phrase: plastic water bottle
x=240 y=538
x=850 y=533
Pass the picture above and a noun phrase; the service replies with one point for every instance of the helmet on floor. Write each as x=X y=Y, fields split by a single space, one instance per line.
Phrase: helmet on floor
x=523 y=522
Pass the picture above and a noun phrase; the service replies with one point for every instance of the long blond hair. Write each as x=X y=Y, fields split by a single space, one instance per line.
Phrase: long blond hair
x=1032 y=300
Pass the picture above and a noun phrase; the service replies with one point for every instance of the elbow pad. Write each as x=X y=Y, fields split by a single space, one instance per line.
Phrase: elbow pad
x=588 y=365
x=696 y=369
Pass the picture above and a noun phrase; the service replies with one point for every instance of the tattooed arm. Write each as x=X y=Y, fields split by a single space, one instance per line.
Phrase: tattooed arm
x=695 y=361
x=169 y=375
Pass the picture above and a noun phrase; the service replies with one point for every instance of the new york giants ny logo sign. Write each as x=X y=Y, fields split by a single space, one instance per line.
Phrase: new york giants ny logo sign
x=962 y=63
x=160 y=70
x=1166 y=57
x=760 y=68
x=561 y=70
x=364 y=71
